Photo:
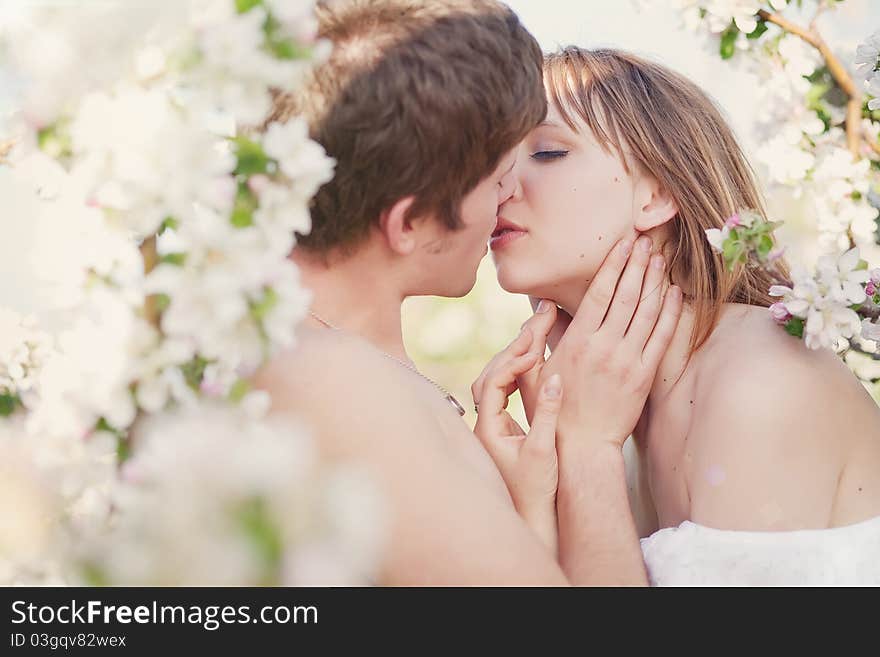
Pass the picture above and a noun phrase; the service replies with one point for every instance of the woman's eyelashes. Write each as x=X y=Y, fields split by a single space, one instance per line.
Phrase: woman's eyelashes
x=548 y=155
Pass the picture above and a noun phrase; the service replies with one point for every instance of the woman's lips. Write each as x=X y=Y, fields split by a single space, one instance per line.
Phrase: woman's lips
x=504 y=238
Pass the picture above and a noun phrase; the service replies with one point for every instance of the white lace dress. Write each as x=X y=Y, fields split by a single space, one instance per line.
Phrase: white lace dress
x=694 y=555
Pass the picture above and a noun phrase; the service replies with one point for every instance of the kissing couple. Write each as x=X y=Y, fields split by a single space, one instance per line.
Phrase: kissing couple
x=592 y=175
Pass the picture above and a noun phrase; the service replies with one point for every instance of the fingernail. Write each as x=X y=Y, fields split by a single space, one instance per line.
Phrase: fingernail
x=554 y=387
x=626 y=247
x=544 y=306
x=658 y=262
x=675 y=292
x=645 y=243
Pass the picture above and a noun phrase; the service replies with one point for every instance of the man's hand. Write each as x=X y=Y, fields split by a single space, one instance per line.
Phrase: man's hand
x=527 y=462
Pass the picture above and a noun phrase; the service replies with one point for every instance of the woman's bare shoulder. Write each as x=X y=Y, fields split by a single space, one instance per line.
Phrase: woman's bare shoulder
x=768 y=425
x=748 y=348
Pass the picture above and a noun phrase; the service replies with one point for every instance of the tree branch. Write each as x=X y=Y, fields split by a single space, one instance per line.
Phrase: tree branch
x=151 y=258
x=5 y=148
x=835 y=67
x=872 y=142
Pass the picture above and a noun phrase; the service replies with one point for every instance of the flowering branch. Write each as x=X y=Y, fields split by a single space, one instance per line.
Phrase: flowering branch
x=838 y=301
x=838 y=72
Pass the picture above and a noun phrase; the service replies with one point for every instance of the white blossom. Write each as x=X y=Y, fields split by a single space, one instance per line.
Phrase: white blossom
x=873 y=88
x=824 y=300
x=868 y=56
x=261 y=483
x=134 y=144
x=24 y=347
x=870 y=330
x=141 y=113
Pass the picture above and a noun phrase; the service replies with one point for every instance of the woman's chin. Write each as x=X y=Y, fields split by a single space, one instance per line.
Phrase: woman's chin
x=512 y=285
x=516 y=285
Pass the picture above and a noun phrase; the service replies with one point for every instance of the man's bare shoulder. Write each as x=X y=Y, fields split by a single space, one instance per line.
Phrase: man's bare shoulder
x=366 y=409
x=322 y=366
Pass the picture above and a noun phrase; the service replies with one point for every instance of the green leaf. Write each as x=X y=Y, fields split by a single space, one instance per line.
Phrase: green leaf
x=244 y=6
x=55 y=141
x=728 y=41
x=239 y=389
x=104 y=425
x=759 y=30
x=177 y=259
x=816 y=93
x=162 y=301
x=261 y=308
x=8 y=404
x=765 y=246
x=93 y=574
x=795 y=327
x=254 y=518
x=168 y=222
x=194 y=371
x=123 y=451
x=287 y=49
x=245 y=204
x=279 y=45
x=252 y=159
x=733 y=252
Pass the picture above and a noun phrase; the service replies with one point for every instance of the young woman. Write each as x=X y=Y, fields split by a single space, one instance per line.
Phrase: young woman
x=759 y=459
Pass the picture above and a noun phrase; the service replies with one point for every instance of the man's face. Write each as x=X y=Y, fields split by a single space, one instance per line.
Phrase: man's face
x=458 y=253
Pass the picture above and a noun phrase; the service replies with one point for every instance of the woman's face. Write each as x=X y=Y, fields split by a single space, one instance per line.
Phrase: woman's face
x=573 y=203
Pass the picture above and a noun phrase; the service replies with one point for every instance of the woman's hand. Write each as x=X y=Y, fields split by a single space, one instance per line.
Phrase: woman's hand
x=527 y=462
x=610 y=352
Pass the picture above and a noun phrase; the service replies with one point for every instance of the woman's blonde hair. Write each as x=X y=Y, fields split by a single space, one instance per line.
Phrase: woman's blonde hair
x=669 y=128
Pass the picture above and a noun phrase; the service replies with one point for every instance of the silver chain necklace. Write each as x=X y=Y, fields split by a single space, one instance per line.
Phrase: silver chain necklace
x=448 y=395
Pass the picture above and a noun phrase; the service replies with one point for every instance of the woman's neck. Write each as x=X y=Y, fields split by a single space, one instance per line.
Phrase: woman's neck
x=675 y=360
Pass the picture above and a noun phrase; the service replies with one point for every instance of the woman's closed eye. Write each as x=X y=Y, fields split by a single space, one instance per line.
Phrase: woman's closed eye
x=548 y=155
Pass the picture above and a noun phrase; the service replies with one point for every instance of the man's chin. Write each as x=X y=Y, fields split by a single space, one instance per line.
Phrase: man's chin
x=457 y=290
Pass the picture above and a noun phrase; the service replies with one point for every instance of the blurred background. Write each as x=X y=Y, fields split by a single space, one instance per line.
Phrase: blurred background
x=452 y=339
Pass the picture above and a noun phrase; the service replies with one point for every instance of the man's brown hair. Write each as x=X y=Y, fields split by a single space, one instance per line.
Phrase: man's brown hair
x=417 y=99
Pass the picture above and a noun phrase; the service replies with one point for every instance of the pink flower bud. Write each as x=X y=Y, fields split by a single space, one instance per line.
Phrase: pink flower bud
x=258 y=183
x=875 y=277
x=211 y=388
x=780 y=312
x=870 y=289
x=733 y=221
x=776 y=254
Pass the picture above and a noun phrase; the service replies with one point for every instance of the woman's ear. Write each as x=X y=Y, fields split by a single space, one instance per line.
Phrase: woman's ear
x=655 y=206
x=399 y=232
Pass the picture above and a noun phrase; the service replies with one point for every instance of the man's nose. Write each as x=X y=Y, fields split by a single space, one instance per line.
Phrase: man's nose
x=508 y=187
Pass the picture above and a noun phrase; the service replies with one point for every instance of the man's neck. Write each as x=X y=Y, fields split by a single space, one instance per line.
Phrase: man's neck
x=349 y=295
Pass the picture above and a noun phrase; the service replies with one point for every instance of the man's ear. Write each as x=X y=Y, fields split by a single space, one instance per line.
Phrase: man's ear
x=400 y=233
x=655 y=206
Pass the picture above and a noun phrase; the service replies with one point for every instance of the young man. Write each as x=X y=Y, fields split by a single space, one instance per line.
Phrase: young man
x=422 y=105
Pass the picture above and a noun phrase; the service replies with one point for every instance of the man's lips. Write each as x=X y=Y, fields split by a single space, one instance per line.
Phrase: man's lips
x=502 y=225
x=505 y=232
